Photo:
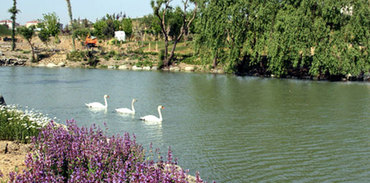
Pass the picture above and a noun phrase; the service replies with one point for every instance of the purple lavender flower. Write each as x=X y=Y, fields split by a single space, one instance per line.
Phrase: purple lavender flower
x=86 y=155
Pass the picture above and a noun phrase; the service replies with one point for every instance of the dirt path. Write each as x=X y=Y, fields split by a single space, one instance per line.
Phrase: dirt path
x=12 y=158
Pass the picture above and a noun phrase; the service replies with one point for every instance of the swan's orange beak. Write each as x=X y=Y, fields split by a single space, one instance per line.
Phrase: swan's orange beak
x=108 y=96
x=162 y=107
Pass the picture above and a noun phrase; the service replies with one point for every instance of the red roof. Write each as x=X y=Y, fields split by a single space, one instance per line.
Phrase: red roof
x=6 y=21
x=33 y=21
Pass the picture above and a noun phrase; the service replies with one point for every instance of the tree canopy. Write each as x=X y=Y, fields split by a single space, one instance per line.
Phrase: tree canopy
x=283 y=37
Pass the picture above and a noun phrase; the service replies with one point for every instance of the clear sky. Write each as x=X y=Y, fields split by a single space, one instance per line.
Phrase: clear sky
x=90 y=9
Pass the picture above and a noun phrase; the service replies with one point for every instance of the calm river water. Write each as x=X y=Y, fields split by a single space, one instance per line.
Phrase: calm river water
x=230 y=129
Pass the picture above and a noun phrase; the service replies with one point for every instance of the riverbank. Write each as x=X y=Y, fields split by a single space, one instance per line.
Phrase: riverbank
x=59 y=58
x=130 y=56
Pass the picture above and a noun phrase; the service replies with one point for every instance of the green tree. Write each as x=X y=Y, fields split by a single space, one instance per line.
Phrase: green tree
x=161 y=9
x=151 y=25
x=105 y=27
x=44 y=36
x=127 y=26
x=14 y=11
x=211 y=28
x=286 y=37
x=27 y=33
x=50 y=26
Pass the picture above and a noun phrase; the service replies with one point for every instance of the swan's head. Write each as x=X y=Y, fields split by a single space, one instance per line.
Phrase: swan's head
x=106 y=96
x=161 y=107
x=134 y=100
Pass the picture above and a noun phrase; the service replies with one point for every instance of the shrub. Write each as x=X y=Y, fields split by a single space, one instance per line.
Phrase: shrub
x=87 y=155
x=26 y=51
x=161 y=55
x=76 y=55
x=20 y=125
x=5 y=31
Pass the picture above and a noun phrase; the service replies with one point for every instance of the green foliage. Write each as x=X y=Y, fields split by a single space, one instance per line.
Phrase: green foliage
x=105 y=27
x=144 y=63
x=89 y=56
x=285 y=37
x=81 y=33
x=44 y=36
x=49 y=26
x=4 y=31
x=174 y=21
x=161 y=55
x=18 y=125
x=127 y=26
x=26 y=32
x=151 y=25
x=99 y=28
x=76 y=56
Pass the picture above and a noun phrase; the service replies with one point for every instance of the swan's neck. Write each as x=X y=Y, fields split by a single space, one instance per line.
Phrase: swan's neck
x=106 y=103
x=160 y=114
x=132 y=106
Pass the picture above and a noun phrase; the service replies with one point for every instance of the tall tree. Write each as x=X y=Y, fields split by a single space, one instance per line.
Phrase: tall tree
x=27 y=33
x=71 y=22
x=14 y=11
x=161 y=9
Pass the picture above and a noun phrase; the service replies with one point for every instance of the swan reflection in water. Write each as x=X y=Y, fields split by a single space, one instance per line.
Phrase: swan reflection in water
x=98 y=110
x=127 y=110
x=126 y=115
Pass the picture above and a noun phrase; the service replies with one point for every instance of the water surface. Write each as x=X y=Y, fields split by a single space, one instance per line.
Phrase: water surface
x=230 y=129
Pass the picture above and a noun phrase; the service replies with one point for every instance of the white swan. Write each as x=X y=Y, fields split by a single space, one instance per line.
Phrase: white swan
x=151 y=118
x=97 y=105
x=127 y=110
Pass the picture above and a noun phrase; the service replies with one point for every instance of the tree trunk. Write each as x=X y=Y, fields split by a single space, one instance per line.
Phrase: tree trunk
x=32 y=51
x=71 y=22
x=13 y=34
x=214 y=65
x=166 y=61
x=172 y=51
x=13 y=23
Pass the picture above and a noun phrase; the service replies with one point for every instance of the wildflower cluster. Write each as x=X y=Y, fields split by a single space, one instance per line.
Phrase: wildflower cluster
x=75 y=154
x=16 y=124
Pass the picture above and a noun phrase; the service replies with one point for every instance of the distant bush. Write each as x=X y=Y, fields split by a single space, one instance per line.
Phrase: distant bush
x=81 y=33
x=76 y=55
x=26 y=51
x=87 y=155
x=144 y=63
x=5 y=31
x=89 y=56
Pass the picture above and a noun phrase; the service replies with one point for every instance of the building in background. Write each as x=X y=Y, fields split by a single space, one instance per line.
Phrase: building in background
x=33 y=22
x=8 y=23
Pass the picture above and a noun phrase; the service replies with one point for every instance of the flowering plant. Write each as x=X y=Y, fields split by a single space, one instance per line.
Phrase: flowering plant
x=16 y=124
x=75 y=154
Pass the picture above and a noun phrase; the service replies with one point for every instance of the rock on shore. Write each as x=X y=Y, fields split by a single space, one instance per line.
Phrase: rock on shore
x=2 y=100
x=12 y=62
